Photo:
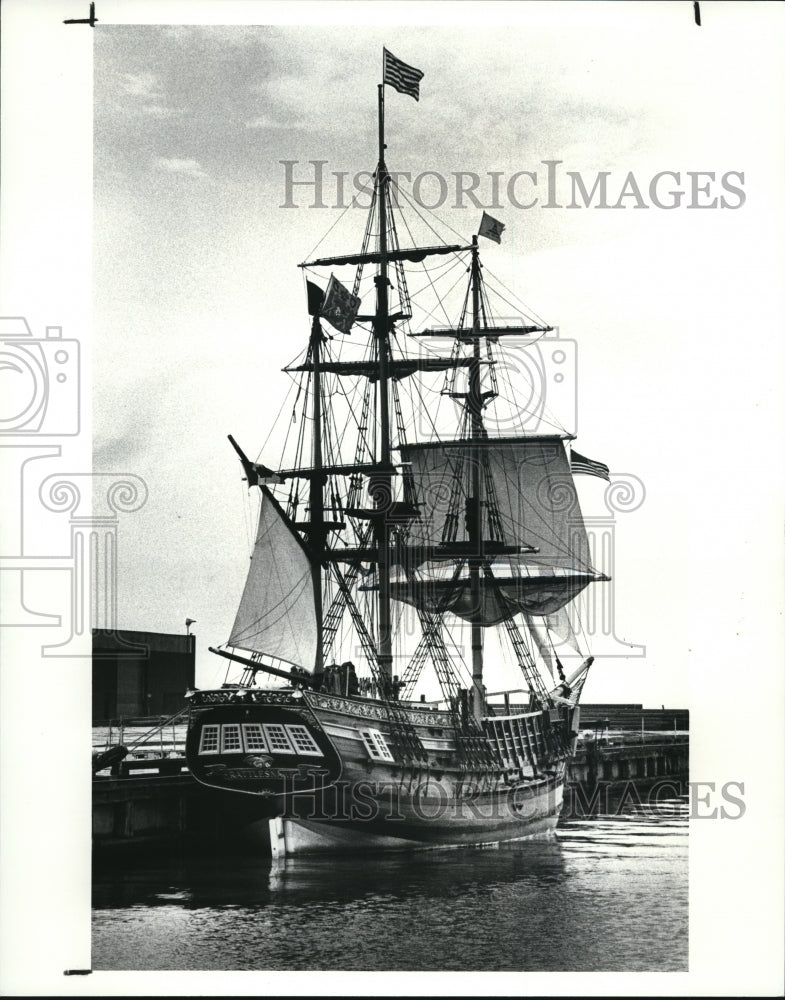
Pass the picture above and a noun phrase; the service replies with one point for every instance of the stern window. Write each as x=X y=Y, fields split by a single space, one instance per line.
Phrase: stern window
x=304 y=743
x=208 y=742
x=230 y=739
x=277 y=739
x=254 y=737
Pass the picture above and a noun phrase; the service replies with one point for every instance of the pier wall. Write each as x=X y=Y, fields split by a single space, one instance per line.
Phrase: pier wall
x=631 y=717
x=154 y=810
x=622 y=762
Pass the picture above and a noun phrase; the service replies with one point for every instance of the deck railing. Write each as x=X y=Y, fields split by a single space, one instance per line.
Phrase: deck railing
x=150 y=742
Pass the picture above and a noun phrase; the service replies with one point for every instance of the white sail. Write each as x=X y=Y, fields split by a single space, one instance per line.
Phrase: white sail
x=535 y=496
x=539 y=633
x=537 y=505
x=563 y=631
x=277 y=614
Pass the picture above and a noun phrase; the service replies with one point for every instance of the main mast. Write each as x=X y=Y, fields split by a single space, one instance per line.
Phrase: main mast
x=474 y=502
x=317 y=533
x=382 y=487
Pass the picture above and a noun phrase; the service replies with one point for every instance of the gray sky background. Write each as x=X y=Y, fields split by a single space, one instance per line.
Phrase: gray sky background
x=198 y=301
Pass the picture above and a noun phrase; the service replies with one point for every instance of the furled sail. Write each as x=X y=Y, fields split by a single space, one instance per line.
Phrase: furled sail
x=510 y=589
x=528 y=497
x=277 y=613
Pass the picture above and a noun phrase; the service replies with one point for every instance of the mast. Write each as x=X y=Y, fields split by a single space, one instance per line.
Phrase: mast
x=474 y=502
x=317 y=532
x=382 y=492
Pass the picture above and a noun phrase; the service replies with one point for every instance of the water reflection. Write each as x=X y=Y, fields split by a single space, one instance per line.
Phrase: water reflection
x=249 y=880
x=607 y=893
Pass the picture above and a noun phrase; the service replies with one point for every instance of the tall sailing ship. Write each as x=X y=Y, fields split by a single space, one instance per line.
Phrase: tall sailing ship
x=378 y=555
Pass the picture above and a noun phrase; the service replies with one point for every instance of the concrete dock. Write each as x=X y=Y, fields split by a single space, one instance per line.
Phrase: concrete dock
x=165 y=810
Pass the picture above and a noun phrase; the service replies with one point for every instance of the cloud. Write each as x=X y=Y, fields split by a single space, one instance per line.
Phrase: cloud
x=143 y=96
x=159 y=111
x=265 y=121
x=140 y=84
x=173 y=165
x=120 y=450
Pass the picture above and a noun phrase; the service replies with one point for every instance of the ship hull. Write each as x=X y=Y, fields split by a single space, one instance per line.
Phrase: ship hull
x=329 y=771
x=489 y=819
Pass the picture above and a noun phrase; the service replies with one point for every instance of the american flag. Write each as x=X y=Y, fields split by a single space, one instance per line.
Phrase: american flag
x=405 y=79
x=588 y=467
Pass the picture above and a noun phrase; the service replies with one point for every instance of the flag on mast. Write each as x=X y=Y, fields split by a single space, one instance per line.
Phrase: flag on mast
x=580 y=465
x=315 y=298
x=339 y=306
x=405 y=78
x=491 y=228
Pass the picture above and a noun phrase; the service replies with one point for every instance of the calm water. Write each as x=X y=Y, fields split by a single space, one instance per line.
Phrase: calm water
x=607 y=893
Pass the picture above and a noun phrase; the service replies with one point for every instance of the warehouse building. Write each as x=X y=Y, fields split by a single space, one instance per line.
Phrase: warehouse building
x=140 y=674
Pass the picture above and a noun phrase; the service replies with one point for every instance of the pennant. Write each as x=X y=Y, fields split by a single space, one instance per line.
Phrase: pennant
x=264 y=476
x=580 y=465
x=405 y=79
x=255 y=474
x=315 y=298
x=340 y=306
x=491 y=228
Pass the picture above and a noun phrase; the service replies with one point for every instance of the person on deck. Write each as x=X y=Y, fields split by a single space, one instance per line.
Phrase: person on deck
x=317 y=678
x=352 y=683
